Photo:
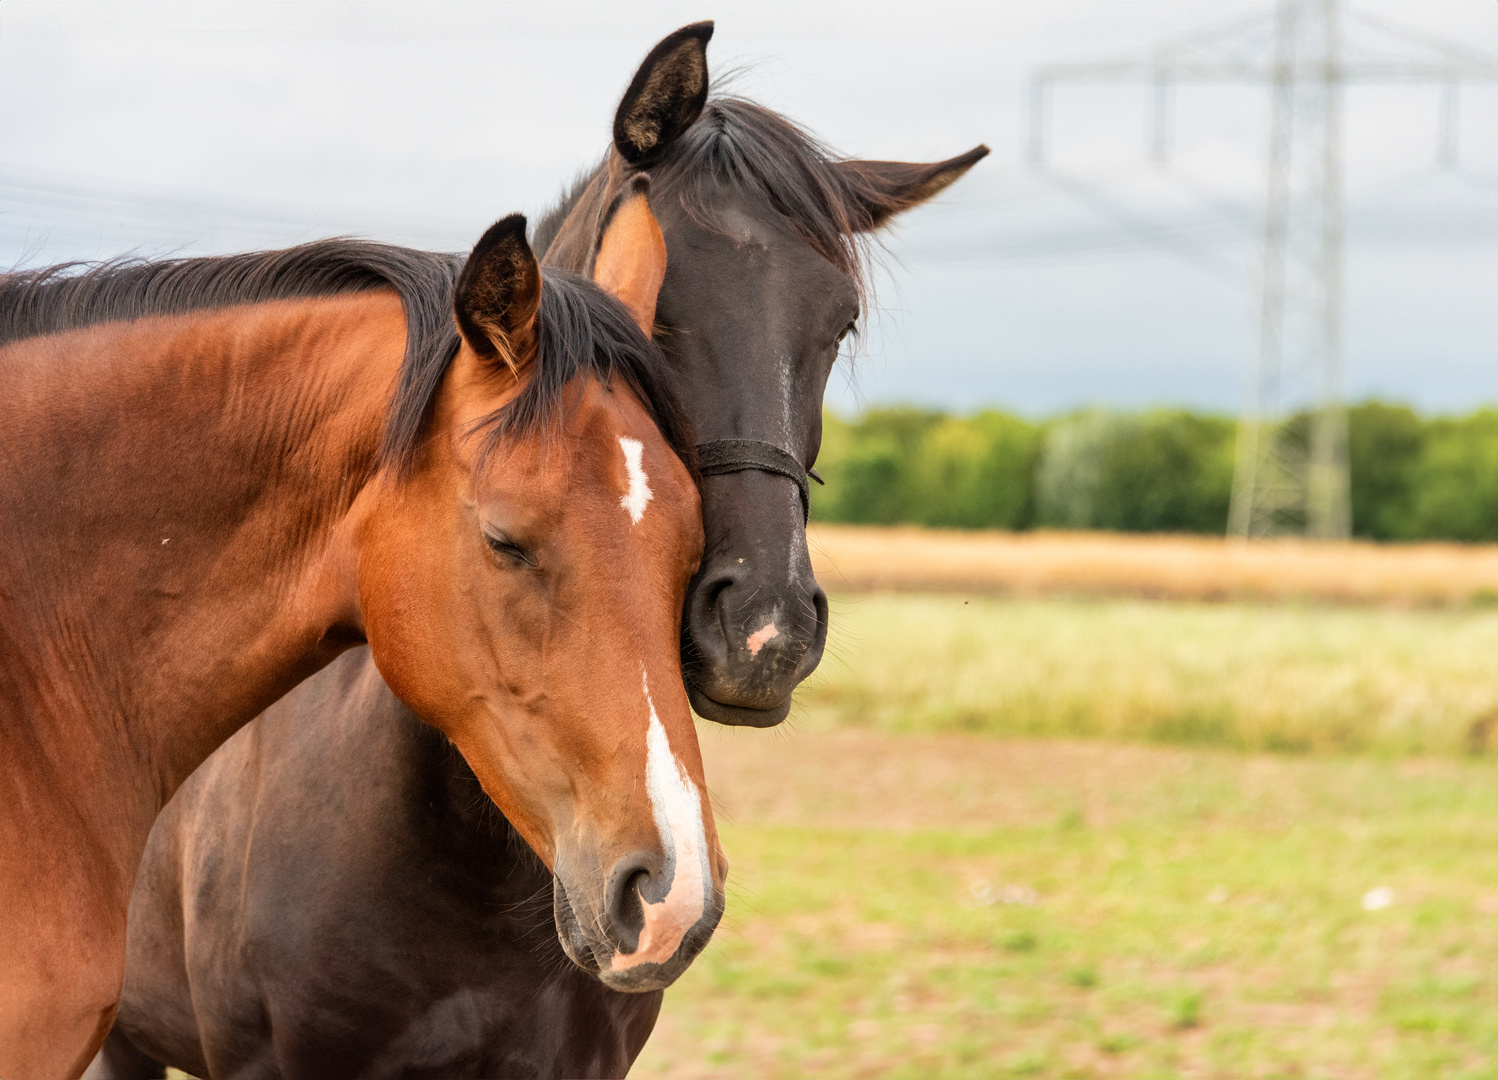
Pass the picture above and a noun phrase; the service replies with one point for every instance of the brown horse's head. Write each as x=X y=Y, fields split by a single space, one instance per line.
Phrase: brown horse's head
x=544 y=640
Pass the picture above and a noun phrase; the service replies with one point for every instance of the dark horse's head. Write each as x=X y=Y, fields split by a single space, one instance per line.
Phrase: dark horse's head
x=764 y=280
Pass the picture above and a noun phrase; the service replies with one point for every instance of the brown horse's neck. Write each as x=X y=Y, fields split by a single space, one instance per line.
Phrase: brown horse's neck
x=176 y=498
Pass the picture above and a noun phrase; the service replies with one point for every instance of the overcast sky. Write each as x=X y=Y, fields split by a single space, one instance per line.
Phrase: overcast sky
x=177 y=126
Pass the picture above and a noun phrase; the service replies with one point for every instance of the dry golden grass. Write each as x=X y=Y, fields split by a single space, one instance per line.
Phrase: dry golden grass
x=864 y=558
x=1263 y=676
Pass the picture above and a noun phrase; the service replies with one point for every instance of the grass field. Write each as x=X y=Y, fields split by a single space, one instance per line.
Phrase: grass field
x=1257 y=840
x=1245 y=675
x=962 y=906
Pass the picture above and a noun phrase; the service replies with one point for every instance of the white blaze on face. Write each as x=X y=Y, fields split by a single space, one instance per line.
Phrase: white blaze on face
x=639 y=487
x=677 y=806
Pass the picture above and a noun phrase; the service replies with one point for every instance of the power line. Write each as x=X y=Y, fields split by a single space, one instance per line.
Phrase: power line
x=1290 y=476
x=33 y=201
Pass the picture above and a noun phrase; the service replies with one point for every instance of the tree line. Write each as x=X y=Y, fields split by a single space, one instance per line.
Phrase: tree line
x=1164 y=470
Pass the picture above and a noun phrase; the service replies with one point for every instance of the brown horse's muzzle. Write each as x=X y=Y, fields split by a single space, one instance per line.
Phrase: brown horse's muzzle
x=648 y=924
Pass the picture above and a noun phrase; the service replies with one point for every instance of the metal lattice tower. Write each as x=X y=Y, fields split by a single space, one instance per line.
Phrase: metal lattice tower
x=1291 y=473
x=1292 y=477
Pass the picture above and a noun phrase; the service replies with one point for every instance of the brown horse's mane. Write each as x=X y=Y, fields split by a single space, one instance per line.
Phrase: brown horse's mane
x=768 y=158
x=581 y=330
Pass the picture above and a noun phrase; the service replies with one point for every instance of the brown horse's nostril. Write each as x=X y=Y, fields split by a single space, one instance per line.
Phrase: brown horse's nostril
x=633 y=877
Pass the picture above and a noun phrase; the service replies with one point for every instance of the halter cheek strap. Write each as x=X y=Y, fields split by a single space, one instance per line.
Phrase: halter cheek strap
x=738 y=455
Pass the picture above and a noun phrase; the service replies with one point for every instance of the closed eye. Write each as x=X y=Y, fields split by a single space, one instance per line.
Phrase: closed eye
x=506 y=548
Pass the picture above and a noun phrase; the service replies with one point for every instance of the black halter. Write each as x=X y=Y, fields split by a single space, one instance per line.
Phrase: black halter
x=737 y=455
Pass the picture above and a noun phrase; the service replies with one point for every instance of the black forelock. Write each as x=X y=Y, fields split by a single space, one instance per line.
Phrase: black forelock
x=766 y=158
x=773 y=161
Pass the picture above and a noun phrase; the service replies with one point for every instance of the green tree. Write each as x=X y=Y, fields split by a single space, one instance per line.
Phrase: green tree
x=869 y=467
x=1157 y=471
x=1455 y=480
x=1160 y=471
x=977 y=473
x=1168 y=471
x=1384 y=446
x=1069 y=469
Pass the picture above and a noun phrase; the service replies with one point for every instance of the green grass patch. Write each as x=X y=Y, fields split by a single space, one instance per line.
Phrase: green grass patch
x=1190 y=936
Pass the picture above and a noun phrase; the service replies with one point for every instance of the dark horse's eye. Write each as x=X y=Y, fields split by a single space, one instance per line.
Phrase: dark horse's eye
x=503 y=545
x=845 y=332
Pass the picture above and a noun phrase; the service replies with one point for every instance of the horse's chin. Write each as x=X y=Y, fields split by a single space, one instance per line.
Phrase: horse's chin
x=570 y=932
x=641 y=980
x=735 y=715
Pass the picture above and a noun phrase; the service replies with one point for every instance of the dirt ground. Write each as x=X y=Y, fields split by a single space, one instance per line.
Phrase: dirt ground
x=856 y=779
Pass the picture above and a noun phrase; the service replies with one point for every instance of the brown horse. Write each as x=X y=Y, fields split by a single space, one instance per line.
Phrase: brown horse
x=217 y=474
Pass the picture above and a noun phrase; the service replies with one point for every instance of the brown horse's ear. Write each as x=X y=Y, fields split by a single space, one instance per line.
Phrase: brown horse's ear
x=631 y=260
x=883 y=189
x=498 y=294
x=666 y=95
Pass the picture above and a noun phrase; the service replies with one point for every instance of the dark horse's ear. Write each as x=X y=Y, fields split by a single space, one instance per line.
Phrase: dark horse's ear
x=885 y=188
x=666 y=95
x=498 y=294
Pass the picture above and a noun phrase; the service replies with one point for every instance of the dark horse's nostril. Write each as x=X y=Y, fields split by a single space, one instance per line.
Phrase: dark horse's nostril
x=704 y=625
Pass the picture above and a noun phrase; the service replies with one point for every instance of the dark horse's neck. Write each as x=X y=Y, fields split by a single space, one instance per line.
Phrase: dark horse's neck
x=567 y=235
x=175 y=494
x=465 y=819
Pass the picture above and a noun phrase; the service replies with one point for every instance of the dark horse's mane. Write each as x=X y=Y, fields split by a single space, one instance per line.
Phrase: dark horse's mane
x=581 y=331
x=774 y=161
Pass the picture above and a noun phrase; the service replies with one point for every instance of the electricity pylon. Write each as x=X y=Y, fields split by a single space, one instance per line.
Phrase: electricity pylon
x=1290 y=475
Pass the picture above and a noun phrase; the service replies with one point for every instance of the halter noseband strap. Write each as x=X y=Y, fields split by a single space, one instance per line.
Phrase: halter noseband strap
x=737 y=455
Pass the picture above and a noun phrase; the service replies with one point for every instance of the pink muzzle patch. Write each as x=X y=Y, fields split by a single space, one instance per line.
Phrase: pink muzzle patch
x=759 y=637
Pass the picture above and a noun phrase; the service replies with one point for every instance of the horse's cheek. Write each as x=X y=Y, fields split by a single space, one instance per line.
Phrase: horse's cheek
x=409 y=606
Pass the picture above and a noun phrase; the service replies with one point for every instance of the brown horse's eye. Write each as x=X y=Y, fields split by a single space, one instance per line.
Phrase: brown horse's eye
x=503 y=545
x=850 y=328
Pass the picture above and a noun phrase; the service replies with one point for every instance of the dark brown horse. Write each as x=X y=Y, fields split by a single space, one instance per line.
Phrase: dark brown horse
x=764 y=228
x=294 y=921
x=208 y=492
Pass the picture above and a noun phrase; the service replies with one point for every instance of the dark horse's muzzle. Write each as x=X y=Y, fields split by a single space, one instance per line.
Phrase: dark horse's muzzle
x=755 y=622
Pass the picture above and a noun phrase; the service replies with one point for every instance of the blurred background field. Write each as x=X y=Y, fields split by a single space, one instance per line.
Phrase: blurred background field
x=1245 y=676
x=1057 y=826
x=1179 y=567
x=958 y=906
